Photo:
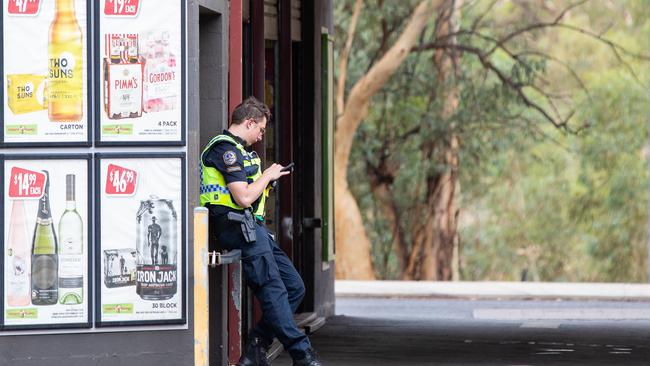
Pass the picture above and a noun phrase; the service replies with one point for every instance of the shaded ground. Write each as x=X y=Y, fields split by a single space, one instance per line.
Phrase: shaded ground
x=381 y=332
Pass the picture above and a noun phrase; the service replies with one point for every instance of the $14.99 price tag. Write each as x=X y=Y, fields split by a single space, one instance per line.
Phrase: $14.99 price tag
x=121 y=7
x=25 y=183
x=23 y=7
x=120 y=181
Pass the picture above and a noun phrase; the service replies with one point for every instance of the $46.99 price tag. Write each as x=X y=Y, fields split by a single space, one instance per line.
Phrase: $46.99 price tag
x=25 y=183
x=121 y=7
x=120 y=181
x=23 y=7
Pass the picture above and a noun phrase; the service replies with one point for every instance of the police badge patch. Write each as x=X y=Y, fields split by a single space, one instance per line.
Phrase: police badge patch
x=229 y=157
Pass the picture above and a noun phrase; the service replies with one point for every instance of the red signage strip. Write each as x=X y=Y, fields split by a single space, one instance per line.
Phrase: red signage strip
x=121 y=7
x=120 y=180
x=23 y=7
x=25 y=183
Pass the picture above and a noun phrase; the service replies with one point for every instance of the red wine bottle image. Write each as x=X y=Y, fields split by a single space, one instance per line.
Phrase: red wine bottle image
x=45 y=266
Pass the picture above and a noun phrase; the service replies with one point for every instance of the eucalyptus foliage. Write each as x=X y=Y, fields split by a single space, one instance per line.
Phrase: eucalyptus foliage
x=537 y=202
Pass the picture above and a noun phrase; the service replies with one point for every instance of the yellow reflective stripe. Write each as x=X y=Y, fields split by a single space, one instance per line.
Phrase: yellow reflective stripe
x=213 y=180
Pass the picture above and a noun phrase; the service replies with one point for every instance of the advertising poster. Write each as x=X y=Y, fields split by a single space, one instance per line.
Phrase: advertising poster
x=45 y=72
x=140 y=74
x=141 y=239
x=46 y=247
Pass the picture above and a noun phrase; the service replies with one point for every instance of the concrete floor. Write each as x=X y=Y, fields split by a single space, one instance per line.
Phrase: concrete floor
x=375 y=332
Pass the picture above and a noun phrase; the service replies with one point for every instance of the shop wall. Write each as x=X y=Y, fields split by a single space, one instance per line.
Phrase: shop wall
x=151 y=344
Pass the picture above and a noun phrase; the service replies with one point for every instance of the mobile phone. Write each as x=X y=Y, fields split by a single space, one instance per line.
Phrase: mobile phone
x=289 y=167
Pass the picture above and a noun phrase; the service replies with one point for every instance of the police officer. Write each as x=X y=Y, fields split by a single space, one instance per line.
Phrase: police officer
x=232 y=182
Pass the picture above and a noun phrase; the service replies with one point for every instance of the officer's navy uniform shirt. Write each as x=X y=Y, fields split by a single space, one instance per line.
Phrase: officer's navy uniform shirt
x=220 y=156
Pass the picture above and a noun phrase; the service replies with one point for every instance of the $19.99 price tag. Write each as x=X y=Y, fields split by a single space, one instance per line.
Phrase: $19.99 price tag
x=25 y=183
x=121 y=7
x=120 y=181
x=23 y=7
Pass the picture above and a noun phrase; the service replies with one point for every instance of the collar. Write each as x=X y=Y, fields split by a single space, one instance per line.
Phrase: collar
x=237 y=138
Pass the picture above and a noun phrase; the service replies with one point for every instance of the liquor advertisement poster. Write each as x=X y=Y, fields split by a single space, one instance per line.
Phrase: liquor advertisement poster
x=45 y=79
x=141 y=239
x=139 y=70
x=46 y=241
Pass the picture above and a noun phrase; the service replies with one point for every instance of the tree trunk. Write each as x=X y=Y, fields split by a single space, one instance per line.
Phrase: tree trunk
x=436 y=239
x=432 y=254
x=353 y=247
x=438 y=255
x=381 y=179
x=343 y=59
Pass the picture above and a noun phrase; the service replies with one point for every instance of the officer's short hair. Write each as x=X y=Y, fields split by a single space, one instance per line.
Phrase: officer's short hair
x=250 y=108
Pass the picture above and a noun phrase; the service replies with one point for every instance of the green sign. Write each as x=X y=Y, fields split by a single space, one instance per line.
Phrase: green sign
x=27 y=313
x=118 y=308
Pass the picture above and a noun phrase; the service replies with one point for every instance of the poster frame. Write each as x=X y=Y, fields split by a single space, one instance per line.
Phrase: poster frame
x=90 y=247
x=97 y=95
x=2 y=228
x=90 y=98
x=98 y=244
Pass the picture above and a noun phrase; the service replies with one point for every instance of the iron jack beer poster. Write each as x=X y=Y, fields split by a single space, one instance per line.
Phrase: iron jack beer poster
x=139 y=72
x=45 y=72
x=141 y=239
x=46 y=256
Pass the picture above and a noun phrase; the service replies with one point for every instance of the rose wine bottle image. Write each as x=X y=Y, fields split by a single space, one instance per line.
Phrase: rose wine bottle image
x=71 y=262
x=65 y=61
x=45 y=287
x=18 y=291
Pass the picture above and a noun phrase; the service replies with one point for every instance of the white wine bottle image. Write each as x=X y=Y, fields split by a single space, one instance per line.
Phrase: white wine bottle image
x=45 y=287
x=65 y=63
x=71 y=263
x=18 y=291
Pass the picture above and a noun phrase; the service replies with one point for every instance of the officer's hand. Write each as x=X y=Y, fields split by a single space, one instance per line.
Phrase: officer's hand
x=275 y=171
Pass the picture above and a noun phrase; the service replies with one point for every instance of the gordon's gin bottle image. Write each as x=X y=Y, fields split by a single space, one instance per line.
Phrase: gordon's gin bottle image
x=18 y=271
x=65 y=62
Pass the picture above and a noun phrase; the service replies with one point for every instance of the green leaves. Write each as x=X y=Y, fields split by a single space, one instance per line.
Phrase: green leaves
x=535 y=199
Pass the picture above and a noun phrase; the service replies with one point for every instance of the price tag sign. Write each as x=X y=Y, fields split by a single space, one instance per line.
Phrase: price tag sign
x=120 y=181
x=128 y=8
x=25 y=183
x=24 y=7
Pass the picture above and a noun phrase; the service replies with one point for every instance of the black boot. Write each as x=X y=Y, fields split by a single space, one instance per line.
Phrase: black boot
x=255 y=354
x=309 y=360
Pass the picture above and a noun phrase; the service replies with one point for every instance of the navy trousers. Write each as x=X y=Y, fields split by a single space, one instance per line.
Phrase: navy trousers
x=275 y=283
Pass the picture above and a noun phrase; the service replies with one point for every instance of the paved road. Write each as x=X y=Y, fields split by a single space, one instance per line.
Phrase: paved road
x=379 y=331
